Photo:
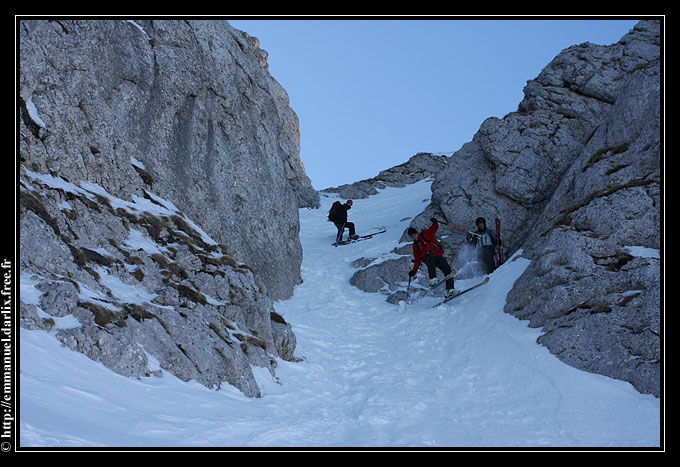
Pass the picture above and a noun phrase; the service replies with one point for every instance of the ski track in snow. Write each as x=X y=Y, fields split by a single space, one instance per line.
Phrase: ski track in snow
x=464 y=374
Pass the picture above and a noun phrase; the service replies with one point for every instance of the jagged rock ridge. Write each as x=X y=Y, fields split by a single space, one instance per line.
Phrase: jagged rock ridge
x=159 y=161
x=418 y=167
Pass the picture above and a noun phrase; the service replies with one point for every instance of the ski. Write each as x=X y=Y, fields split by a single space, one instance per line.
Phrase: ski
x=362 y=237
x=462 y=292
x=499 y=257
x=443 y=281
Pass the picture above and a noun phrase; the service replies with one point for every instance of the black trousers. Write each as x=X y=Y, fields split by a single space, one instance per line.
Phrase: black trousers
x=487 y=256
x=438 y=262
x=341 y=230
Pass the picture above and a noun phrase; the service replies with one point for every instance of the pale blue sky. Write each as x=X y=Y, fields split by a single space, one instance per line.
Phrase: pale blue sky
x=370 y=93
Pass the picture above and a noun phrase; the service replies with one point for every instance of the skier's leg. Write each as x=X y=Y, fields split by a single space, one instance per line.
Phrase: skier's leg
x=488 y=259
x=341 y=230
x=430 y=262
x=444 y=267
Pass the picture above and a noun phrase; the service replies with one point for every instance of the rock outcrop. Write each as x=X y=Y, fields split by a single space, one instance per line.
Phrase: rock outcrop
x=159 y=163
x=574 y=175
x=190 y=100
x=418 y=167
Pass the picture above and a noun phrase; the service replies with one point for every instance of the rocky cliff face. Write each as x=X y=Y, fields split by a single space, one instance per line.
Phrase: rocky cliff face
x=160 y=184
x=574 y=175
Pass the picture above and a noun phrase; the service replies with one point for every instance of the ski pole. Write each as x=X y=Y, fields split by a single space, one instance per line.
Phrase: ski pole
x=498 y=241
x=458 y=228
x=408 y=289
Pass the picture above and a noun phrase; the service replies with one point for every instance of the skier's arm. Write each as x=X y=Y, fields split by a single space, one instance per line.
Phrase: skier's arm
x=431 y=230
x=416 y=261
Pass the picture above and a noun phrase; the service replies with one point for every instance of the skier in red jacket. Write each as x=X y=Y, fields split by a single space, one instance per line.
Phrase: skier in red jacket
x=428 y=250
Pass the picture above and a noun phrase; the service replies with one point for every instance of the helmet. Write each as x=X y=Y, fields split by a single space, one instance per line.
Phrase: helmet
x=349 y=202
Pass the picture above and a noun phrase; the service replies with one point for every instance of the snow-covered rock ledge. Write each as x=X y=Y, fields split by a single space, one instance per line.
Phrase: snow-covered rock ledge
x=129 y=283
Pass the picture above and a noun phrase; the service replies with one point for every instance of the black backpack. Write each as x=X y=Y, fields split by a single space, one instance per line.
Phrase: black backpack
x=334 y=211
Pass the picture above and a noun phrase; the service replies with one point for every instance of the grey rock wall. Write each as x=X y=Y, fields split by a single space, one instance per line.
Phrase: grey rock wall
x=574 y=175
x=193 y=102
x=160 y=184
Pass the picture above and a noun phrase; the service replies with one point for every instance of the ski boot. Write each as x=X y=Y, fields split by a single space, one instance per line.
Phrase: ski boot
x=452 y=293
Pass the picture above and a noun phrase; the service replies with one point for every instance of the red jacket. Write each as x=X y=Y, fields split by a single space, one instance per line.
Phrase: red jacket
x=427 y=243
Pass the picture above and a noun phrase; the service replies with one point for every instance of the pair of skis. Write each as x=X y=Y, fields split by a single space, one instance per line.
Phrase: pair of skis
x=402 y=304
x=433 y=286
x=358 y=239
x=443 y=281
x=486 y=279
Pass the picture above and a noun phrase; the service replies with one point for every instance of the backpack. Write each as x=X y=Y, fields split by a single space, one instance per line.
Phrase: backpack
x=334 y=211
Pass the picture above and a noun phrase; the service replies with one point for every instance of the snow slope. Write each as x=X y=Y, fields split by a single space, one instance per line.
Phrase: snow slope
x=464 y=374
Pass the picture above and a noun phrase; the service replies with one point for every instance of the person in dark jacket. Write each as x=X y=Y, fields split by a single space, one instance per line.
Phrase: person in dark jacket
x=484 y=241
x=428 y=250
x=340 y=221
